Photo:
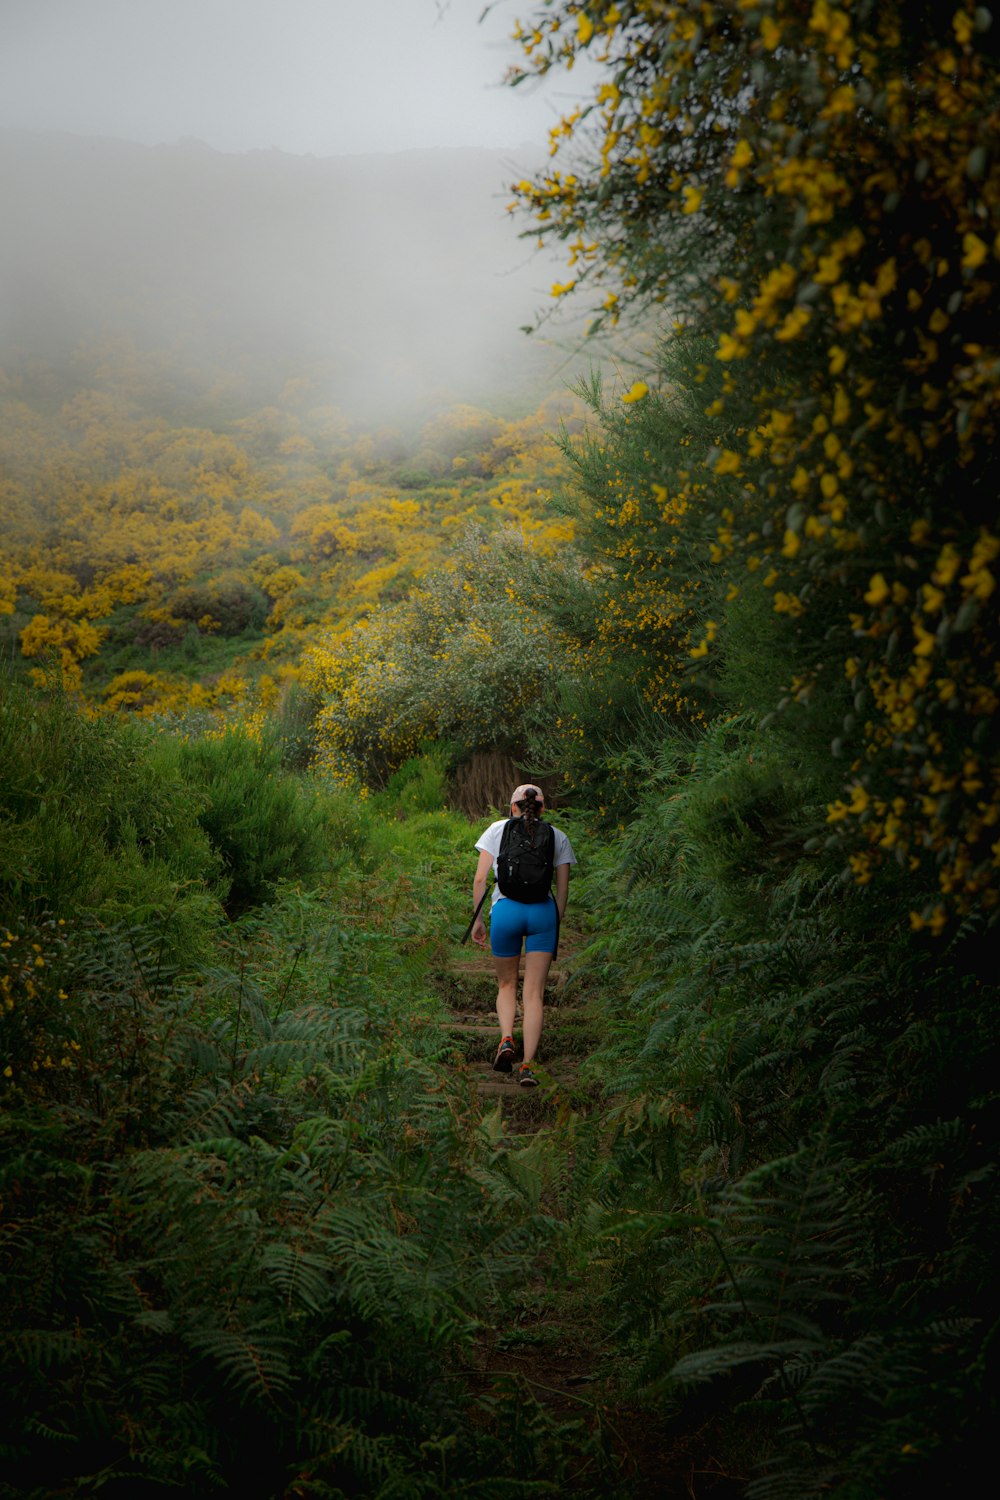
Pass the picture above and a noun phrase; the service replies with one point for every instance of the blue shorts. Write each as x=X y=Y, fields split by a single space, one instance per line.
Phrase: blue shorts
x=536 y=922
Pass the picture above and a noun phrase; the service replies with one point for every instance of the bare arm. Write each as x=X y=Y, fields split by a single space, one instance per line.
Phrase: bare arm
x=483 y=869
x=562 y=889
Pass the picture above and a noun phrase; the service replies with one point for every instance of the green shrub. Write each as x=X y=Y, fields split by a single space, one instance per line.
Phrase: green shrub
x=95 y=817
x=232 y=603
x=261 y=821
x=471 y=657
x=420 y=784
x=291 y=727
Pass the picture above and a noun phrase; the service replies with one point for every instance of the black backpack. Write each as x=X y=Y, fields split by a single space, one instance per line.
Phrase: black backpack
x=525 y=869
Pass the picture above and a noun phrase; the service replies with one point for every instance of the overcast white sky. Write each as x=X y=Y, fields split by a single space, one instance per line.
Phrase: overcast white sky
x=330 y=77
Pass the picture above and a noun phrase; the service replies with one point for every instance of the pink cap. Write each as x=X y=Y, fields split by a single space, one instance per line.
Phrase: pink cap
x=529 y=786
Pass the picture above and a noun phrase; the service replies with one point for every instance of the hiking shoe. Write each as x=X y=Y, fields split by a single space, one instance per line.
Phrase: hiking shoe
x=526 y=1077
x=504 y=1060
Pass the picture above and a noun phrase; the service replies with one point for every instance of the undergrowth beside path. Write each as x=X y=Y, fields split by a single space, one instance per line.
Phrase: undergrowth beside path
x=269 y=1222
x=253 y=1221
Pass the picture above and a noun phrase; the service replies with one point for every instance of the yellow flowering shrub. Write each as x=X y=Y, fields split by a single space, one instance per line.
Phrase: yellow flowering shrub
x=471 y=656
x=134 y=545
x=814 y=189
x=36 y=1017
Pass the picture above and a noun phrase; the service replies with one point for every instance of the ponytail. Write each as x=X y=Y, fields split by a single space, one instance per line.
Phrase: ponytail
x=530 y=812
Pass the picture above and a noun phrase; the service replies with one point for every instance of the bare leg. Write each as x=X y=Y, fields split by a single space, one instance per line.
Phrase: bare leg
x=536 y=971
x=506 y=972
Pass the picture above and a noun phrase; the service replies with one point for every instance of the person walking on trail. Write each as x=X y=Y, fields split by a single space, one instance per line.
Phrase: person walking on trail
x=524 y=854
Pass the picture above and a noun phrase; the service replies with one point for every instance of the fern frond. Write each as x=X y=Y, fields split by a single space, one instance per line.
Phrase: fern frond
x=301 y=1276
x=253 y=1364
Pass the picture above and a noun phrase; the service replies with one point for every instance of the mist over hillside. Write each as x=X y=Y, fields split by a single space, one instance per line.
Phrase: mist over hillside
x=390 y=281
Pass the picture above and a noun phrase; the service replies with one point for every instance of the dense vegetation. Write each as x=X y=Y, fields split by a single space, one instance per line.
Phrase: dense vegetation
x=255 y=1220
x=168 y=549
x=249 y=1221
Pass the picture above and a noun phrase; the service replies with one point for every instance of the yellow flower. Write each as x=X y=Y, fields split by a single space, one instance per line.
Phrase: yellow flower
x=730 y=348
x=584 y=29
x=728 y=462
x=636 y=392
x=975 y=251
x=838 y=359
x=980 y=583
x=948 y=564
x=878 y=590
x=794 y=323
x=840 y=102
x=961 y=24
x=986 y=548
x=770 y=33
x=925 y=640
x=692 y=199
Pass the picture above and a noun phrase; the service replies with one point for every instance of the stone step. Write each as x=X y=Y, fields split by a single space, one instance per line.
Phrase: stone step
x=521 y=1109
x=469 y=993
x=482 y=970
x=558 y=1087
x=566 y=1032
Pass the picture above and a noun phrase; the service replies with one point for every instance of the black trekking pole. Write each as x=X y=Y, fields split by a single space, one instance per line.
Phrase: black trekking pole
x=475 y=914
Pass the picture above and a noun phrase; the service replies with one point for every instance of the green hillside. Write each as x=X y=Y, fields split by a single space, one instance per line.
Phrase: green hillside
x=270 y=1222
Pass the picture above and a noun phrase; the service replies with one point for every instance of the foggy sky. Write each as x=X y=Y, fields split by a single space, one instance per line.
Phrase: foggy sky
x=327 y=77
x=303 y=237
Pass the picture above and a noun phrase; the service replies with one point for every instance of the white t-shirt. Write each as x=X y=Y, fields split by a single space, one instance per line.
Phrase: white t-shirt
x=490 y=844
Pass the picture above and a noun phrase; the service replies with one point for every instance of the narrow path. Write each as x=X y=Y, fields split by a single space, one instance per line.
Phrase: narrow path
x=471 y=998
x=554 y=1347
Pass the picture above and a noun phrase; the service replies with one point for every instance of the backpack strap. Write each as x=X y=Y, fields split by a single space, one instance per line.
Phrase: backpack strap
x=478 y=909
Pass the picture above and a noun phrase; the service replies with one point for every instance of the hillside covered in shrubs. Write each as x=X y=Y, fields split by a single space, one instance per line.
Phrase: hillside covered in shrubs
x=256 y=1219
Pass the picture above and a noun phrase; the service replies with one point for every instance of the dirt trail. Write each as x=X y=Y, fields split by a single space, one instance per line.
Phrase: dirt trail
x=554 y=1348
x=472 y=1024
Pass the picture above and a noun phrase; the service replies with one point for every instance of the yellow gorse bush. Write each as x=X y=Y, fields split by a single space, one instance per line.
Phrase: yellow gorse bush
x=468 y=657
x=814 y=188
x=250 y=540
